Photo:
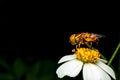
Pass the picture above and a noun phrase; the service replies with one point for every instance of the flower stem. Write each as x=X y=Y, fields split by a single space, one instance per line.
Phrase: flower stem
x=115 y=52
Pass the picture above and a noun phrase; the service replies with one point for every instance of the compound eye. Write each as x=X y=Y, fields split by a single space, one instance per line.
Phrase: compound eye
x=72 y=39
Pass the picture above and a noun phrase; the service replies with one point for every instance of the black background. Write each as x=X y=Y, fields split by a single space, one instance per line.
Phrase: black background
x=45 y=35
x=51 y=44
x=4 y=12
x=3 y=6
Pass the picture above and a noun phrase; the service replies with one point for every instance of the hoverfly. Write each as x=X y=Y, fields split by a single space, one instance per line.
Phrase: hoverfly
x=84 y=38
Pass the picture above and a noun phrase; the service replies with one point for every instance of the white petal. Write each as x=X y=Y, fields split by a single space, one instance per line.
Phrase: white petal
x=105 y=61
x=67 y=58
x=106 y=68
x=93 y=72
x=70 y=68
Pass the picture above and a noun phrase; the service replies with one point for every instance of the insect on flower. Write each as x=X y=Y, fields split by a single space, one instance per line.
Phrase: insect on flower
x=84 y=38
x=89 y=62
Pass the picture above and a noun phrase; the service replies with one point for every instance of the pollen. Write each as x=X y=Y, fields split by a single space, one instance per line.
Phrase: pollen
x=87 y=55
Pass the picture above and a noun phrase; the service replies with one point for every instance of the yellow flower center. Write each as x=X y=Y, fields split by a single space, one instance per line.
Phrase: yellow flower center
x=87 y=55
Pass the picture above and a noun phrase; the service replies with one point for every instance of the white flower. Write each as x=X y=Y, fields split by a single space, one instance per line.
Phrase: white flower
x=97 y=70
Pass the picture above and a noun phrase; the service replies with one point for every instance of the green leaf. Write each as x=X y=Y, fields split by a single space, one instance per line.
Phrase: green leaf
x=48 y=67
x=36 y=68
x=6 y=76
x=19 y=68
x=48 y=70
x=4 y=64
x=34 y=71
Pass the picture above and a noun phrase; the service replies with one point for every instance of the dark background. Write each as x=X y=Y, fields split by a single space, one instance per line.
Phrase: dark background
x=3 y=6
x=3 y=19
x=45 y=36
x=52 y=43
x=4 y=12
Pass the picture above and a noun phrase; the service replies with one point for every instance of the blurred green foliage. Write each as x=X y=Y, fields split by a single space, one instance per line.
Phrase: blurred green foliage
x=20 y=70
